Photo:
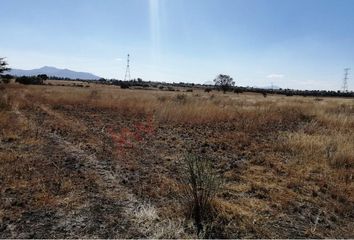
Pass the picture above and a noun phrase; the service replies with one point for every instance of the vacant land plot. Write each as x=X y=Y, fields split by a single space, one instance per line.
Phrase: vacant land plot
x=102 y=162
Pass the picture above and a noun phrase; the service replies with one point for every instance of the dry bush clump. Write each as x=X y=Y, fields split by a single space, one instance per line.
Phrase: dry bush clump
x=199 y=191
x=150 y=224
x=4 y=102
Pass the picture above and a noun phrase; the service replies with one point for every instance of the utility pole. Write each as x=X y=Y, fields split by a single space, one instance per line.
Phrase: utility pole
x=127 y=70
x=345 y=80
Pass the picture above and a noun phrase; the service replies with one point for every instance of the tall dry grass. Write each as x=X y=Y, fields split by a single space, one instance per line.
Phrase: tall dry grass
x=295 y=149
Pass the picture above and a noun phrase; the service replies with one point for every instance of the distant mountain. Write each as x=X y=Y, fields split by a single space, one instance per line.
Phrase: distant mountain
x=52 y=71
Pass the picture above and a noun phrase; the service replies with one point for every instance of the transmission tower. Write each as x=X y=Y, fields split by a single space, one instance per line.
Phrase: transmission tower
x=127 y=70
x=345 y=80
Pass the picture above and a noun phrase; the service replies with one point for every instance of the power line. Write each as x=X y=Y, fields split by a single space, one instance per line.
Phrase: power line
x=127 y=70
x=345 y=80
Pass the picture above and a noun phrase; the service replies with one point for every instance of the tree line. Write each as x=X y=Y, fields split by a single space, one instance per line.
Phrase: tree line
x=222 y=82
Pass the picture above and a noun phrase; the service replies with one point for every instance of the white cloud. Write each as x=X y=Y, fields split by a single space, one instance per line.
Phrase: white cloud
x=275 y=76
x=118 y=59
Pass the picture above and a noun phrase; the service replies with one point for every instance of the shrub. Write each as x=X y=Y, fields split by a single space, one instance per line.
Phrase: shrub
x=6 y=81
x=181 y=98
x=238 y=91
x=124 y=85
x=94 y=95
x=171 y=89
x=6 y=78
x=162 y=98
x=5 y=101
x=201 y=185
x=30 y=80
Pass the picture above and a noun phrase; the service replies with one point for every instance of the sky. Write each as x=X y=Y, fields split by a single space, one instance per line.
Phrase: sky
x=300 y=44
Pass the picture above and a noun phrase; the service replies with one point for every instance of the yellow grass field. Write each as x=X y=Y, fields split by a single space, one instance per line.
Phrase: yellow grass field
x=105 y=162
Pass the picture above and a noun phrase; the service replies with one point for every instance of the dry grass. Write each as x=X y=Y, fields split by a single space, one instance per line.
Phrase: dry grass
x=287 y=162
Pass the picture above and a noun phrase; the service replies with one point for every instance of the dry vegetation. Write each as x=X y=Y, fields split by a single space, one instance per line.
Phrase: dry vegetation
x=101 y=162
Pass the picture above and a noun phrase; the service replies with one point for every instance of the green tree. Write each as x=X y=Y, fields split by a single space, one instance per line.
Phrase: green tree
x=3 y=66
x=43 y=76
x=224 y=82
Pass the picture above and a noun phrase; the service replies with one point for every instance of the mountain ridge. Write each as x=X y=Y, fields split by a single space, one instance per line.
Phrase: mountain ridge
x=54 y=72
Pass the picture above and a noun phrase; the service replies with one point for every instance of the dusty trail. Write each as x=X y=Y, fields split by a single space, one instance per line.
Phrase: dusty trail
x=110 y=200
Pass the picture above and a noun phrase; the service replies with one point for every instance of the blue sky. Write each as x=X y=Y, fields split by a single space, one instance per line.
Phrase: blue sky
x=302 y=44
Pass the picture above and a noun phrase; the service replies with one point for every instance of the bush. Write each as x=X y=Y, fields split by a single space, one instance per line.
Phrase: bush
x=181 y=98
x=124 y=85
x=170 y=89
x=6 y=81
x=201 y=184
x=237 y=91
x=162 y=98
x=6 y=78
x=94 y=95
x=30 y=80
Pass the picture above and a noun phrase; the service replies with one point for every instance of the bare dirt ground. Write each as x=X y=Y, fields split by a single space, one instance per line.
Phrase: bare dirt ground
x=101 y=162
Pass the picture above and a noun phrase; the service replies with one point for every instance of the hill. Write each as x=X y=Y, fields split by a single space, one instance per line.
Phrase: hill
x=57 y=72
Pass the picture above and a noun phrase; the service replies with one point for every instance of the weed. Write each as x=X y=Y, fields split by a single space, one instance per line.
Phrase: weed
x=94 y=95
x=162 y=98
x=181 y=98
x=201 y=185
